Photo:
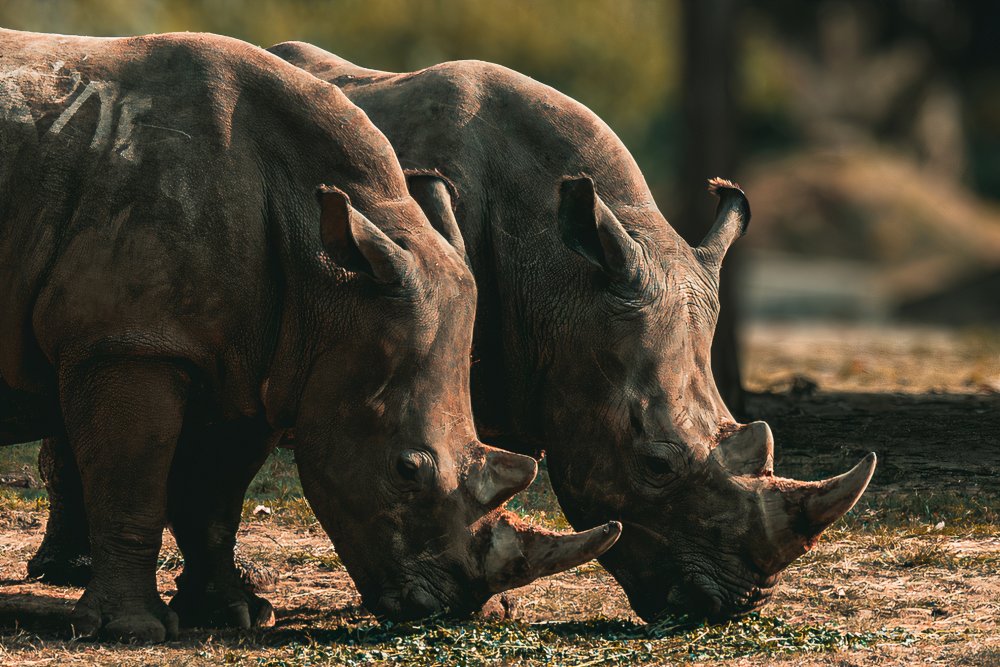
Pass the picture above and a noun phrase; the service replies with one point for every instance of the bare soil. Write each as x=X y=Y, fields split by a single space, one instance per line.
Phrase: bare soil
x=921 y=553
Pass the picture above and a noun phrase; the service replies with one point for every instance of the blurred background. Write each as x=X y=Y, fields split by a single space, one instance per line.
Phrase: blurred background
x=866 y=134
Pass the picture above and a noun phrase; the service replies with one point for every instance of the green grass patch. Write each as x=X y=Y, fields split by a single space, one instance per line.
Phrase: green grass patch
x=16 y=458
x=579 y=643
x=23 y=500
x=21 y=461
x=278 y=478
x=919 y=512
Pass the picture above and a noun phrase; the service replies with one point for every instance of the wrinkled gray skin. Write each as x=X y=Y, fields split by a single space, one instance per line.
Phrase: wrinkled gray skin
x=593 y=332
x=177 y=293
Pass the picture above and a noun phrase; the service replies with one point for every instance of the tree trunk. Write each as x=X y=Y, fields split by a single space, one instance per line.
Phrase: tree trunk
x=710 y=135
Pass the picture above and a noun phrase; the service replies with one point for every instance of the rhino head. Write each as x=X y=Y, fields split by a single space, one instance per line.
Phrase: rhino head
x=707 y=525
x=394 y=471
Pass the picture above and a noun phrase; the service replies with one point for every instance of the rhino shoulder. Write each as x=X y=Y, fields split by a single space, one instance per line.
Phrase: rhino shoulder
x=539 y=119
x=506 y=90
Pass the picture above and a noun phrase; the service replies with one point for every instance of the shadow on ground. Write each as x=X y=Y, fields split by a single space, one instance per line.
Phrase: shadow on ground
x=923 y=441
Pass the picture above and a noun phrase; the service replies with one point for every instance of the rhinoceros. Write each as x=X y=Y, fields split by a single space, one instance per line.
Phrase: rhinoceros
x=593 y=331
x=202 y=248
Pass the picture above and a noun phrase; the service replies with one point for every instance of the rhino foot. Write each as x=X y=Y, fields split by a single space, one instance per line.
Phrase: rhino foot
x=209 y=608
x=57 y=567
x=135 y=622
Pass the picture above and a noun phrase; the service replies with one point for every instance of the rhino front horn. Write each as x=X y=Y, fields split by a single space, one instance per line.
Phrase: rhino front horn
x=797 y=512
x=834 y=497
x=517 y=553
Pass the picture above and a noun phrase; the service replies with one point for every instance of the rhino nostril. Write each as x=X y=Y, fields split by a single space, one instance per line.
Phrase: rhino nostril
x=421 y=603
x=676 y=598
x=387 y=606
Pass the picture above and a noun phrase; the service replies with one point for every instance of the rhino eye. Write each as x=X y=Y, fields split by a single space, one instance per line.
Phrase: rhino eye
x=408 y=468
x=414 y=467
x=659 y=467
x=662 y=464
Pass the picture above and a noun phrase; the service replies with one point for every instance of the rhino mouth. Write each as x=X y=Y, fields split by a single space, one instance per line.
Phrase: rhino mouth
x=716 y=601
x=412 y=601
x=699 y=598
x=421 y=590
x=698 y=589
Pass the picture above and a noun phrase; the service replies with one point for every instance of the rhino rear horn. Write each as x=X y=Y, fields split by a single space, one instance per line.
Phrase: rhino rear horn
x=749 y=451
x=795 y=513
x=354 y=243
x=497 y=475
x=517 y=553
x=590 y=229
x=732 y=217
x=434 y=197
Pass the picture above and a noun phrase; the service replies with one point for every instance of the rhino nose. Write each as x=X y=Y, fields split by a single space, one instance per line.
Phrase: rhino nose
x=418 y=603
x=387 y=606
x=695 y=600
x=413 y=604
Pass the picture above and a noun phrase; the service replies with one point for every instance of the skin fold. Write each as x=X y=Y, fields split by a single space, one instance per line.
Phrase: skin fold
x=202 y=249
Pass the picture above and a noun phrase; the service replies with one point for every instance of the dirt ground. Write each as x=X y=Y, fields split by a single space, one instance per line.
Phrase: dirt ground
x=912 y=576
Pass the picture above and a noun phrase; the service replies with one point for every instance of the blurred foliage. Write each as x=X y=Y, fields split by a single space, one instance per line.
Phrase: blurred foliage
x=616 y=56
x=906 y=74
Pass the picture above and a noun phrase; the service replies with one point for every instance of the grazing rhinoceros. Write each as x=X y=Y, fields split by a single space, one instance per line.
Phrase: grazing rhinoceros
x=593 y=332
x=176 y=288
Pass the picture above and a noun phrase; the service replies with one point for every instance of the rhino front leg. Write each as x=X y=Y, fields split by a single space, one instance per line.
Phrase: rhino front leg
x=64 y=556
x=213 y=468
x=123 y=418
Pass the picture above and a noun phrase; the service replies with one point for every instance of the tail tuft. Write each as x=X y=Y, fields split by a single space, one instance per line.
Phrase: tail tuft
x=716 y=185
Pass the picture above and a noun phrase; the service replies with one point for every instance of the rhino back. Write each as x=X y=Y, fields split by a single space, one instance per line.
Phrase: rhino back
x=506 y=141
x=155 y=190
x=488 y=128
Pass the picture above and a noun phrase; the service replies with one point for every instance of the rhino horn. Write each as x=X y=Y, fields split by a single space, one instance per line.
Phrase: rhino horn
x=517 y=553
x=496 y=475
x=732 y=217
x=795 y=513
x=748 y=451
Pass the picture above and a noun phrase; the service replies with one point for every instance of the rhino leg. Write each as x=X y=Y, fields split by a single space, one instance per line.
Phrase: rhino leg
x=212 y=471
x=64 y=557
x=123 y=419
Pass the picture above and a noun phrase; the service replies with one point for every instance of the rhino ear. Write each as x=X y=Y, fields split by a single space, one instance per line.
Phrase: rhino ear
x=432 y=193
x=590 y=229
x=353 y=242
x=732 y=217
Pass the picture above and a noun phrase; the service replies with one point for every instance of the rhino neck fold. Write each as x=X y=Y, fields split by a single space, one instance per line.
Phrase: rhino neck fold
x=292 y=352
